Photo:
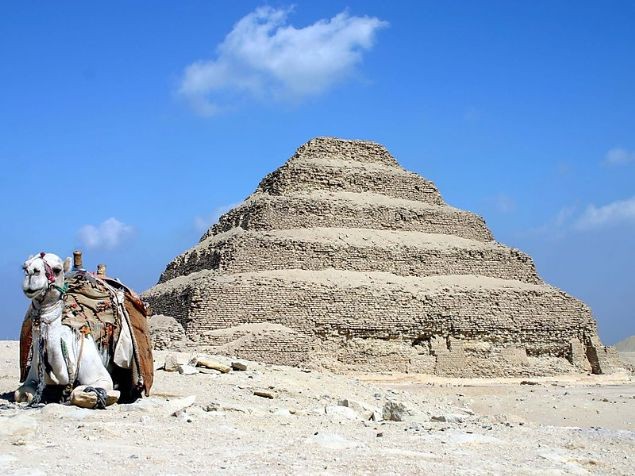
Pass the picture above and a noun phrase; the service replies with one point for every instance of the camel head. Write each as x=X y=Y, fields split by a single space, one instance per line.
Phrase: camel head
x=43 y=272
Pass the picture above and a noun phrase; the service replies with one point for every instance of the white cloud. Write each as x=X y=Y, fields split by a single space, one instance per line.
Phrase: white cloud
x=264 y=57
x=558 y=226
x=619 y=156
x=618 y=212
x=503 y=203
x=108 y=235
x=202 y=224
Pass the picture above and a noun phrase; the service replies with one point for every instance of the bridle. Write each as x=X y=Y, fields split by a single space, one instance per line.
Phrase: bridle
x=50 y=276
x=47 y=317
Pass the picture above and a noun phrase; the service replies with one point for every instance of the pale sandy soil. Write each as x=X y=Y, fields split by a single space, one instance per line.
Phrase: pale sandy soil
x=571 y=425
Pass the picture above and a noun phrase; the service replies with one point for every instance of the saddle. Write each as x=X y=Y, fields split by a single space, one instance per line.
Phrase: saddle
x=108 y=311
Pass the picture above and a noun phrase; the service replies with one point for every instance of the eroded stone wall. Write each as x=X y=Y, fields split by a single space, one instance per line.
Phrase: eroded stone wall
x=239 y=253
x=267 y=212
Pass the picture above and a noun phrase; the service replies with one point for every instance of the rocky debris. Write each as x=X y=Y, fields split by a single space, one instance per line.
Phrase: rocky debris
x=226 y=425
x=394 y=411
x=451 y=418
x=366 y=411
x=174 y=407
x=211 y=407
x=171 y=363
x=206 y=371
x=264 y=393
x=342 y=412
x=166 y=333
x=212 y=364
x=239 y=366
x=186 y=369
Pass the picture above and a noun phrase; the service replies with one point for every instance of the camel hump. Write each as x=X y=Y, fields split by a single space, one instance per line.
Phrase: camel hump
x=90 y=307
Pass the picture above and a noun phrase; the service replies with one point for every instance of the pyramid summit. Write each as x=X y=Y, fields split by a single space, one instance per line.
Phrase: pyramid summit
x=343 y=259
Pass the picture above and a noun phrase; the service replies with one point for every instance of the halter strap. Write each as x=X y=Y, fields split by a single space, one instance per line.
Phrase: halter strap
x=50 y=274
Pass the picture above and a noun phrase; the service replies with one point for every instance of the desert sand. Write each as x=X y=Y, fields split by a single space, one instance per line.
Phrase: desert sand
x=323 y=423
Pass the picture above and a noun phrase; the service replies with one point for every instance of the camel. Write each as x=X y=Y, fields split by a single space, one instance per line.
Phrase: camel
x=68 y=349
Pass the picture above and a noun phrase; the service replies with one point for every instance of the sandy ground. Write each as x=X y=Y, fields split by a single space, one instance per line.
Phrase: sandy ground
x=319 y=423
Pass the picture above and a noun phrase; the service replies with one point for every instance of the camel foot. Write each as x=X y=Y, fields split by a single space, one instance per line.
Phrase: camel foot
x=94 y=397
x=24 y=394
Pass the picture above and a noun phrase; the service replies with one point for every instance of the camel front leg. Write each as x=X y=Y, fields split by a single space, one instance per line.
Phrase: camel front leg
x=27 y=390
x=95 y=389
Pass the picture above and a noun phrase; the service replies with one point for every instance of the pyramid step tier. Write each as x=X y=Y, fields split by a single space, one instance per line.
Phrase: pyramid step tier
x=349 y=176
x=400 y=253
x=345 y=150
x=350 y=210
x=332 y=304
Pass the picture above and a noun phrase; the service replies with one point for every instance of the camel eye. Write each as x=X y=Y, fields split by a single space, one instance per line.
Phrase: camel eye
x=36 y=270
x=57 y=270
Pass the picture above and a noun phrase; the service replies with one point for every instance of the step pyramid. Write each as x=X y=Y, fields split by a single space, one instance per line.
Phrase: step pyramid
x=343 y=259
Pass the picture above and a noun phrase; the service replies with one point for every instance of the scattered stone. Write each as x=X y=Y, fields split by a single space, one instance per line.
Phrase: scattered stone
x=171 y=363
x=211 y=364
x=186 y=369
x=238 y=366
x=394 y=411
x=447 y=418
x=207 y=371
x=264 y=393
x=175 y=406
x=342 y=412
x=529 y=382
x=366 y=411
x=166 y=333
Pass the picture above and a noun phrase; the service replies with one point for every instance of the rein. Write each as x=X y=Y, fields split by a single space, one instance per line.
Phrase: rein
x=42 y=318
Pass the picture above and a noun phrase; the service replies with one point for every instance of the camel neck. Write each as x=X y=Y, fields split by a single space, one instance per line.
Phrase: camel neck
x=47 y=313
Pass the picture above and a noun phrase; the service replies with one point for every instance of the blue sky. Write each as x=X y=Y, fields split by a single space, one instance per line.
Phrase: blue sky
x=126 y=126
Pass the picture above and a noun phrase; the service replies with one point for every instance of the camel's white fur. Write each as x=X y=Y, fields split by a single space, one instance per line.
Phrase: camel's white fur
x=46 y=300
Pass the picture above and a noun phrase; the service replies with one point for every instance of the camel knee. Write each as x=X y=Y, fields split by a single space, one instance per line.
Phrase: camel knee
x=88 y=396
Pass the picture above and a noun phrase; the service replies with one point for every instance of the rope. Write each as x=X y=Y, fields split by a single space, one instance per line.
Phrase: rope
x=101 y=396
x=37 y=398
x=61 y=289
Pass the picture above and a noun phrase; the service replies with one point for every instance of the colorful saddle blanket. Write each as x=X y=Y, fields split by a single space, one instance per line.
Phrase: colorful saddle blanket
x=91 y=307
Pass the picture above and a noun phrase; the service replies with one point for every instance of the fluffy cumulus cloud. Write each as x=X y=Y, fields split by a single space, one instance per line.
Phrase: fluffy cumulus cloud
x=619 y=156
x=266 y=58
x=616 y=213
x=107 y=235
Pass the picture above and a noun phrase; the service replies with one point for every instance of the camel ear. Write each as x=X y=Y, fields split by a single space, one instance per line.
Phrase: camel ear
x=67 y=264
